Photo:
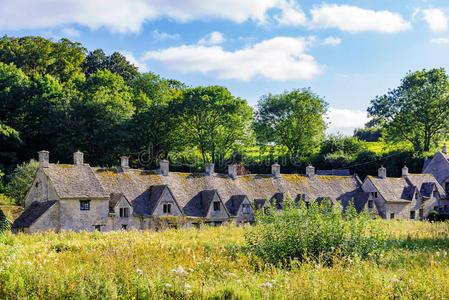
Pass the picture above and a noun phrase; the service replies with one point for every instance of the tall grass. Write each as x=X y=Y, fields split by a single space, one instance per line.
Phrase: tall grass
x=215 y=265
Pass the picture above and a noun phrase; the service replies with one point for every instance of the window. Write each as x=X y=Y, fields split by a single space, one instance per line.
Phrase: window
x=445 y=208
x=391 y=216
x=246 y=208
x=416 y=196
x=124 y=212
x=412 y=215
x=124 y=226
x=37 y=184
x=97 y=227
x=84 y=204
x=370 y=203
x=307 y=204
x=375 y=195
x=217 y=223
x=421 y=213
x=166 y=208
x=216 y=206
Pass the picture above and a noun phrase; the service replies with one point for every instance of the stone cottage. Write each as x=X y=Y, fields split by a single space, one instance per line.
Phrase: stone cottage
x=438 y=166
x=411 y=197
x=80 y=197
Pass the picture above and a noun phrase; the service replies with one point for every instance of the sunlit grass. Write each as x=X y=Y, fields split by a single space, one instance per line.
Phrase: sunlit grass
x=212 y=263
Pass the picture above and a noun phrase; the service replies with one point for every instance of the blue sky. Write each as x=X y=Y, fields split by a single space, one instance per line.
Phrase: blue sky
x=345 y=51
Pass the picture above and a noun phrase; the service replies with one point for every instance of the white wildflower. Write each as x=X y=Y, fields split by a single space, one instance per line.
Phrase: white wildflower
x=187 y=286
x=230 y=274
x=168 y=285
x=267 y=285
x=394 y=279
x=188 y=291
x=139 y=271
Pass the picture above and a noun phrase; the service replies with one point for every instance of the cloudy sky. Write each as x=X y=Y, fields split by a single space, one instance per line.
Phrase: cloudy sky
x=346 y=51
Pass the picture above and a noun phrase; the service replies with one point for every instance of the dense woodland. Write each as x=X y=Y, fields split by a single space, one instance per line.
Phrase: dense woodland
x=61 y=97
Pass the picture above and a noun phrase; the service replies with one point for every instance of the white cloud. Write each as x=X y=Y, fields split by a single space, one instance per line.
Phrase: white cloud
x=345 y=120
x=355 y=19
x=130 y=57
x=164 y=35
x=441 y=41
x=436 y=19
x=212 y=38
x=280 y=58
x=333 y=41
x=70 y=32
x=129 y=15
x=291 y=14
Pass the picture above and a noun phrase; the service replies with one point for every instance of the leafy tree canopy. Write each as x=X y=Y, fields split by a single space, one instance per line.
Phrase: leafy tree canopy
x=416 y=111
x=116 y=63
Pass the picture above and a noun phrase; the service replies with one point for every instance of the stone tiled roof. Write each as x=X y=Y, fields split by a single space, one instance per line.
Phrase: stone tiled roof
x=438 y=166
x=32 y=213
x=75 y=181
x=403 y=189
x=393 y=189
x=187 y=188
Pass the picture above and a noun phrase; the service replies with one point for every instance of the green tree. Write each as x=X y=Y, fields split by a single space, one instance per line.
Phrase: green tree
x=211 y=119
x=116 y=63
x=294 y=119
x=20 y=181
x=337 y=143
x=37 y=55
x=416 y=111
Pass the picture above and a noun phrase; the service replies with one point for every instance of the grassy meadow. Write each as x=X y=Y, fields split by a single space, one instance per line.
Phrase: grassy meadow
x=212 y=263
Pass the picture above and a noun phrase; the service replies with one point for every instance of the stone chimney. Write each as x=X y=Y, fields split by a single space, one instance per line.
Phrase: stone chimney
x=164 y=165
x=78 y=158
x=404 y=171
x=44 y=158
x=444 y=149
x=210 y=169
x=124 y=163
x=276 y=170
x=232 y=171
x=382 y=172
x=310 y=170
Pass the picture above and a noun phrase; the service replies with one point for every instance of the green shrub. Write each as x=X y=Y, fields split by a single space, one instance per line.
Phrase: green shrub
x=21 y=180
x=318 y=232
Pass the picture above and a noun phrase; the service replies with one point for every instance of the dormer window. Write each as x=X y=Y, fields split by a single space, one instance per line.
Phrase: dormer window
x=374 y=195
x=166 y=207
x=370 y=204
x=416 y=196
x=216 y=206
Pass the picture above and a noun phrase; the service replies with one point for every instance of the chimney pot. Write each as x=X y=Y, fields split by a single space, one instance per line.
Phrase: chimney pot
x=232 y=171
x=404 y=171
x=382 y=172
x=44 y=158
x=210 y=169
x=310 y=170
x=164 y=165
x=124 y=163
x=78 y=158
x=276 y=170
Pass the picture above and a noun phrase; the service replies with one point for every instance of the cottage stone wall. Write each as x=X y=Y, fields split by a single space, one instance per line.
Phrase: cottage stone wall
x=72 y=218
x=117 y=222
x=48 y=221
x=214 y=215
x=167 y=197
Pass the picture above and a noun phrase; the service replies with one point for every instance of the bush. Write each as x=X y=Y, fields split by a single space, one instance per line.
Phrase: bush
x=318 y=232
x=21 y=180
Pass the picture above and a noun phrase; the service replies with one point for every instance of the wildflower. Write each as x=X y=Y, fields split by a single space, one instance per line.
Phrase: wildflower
x=230 y=274
x=187 y=286
x=188 y=291
x=267 y=285
x=179 y=271
x=190 y=270
x=139 y=271
x=168 y=285
x=394 y=279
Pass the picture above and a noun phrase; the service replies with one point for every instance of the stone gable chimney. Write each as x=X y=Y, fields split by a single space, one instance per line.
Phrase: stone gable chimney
x=210 y=169
x=382 y=172
x=310 y=170
x=232 y=171
x=164 y=166
x=404 y=171
x=124 y=163
x=44 y=158
x=444 y=150
x=78 y=158
x=276 y=170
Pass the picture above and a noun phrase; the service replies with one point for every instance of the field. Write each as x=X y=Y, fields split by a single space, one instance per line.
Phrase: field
x=211 y=263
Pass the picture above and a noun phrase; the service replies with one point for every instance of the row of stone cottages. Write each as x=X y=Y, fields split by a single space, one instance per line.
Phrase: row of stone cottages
x=80 y=197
